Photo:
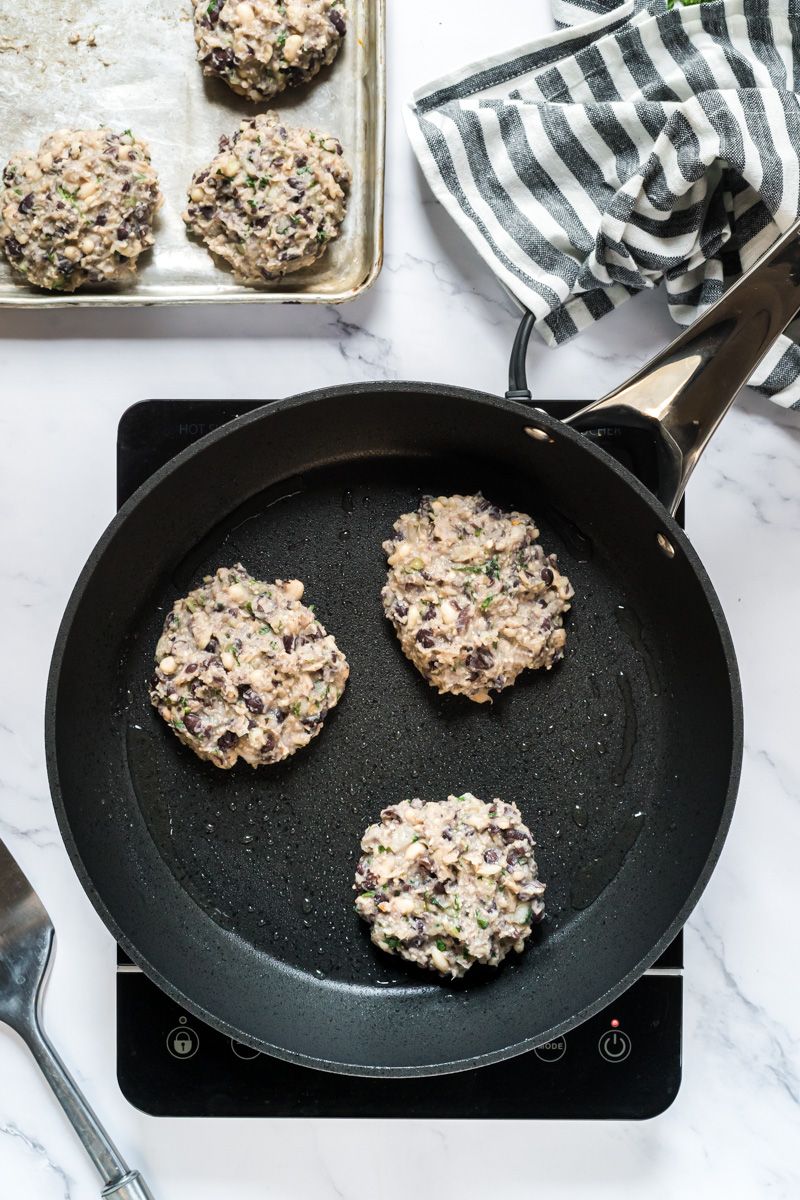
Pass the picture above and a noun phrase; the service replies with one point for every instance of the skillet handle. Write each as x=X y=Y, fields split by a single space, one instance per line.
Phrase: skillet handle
x=685 y=391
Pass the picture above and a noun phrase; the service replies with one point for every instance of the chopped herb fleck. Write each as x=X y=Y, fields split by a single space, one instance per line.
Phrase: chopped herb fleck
x=72 y=197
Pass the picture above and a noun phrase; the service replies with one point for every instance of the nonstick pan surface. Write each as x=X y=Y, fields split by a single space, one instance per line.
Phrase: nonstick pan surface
x=233 y=890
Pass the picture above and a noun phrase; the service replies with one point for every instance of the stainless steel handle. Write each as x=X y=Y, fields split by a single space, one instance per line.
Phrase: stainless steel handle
x=120 y=1182
x=685 y=391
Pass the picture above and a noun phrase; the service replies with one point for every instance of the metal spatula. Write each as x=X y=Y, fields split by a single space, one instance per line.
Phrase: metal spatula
x=26 y=945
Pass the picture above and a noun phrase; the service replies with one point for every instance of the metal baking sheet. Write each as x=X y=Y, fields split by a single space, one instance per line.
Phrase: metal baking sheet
x=84 y=63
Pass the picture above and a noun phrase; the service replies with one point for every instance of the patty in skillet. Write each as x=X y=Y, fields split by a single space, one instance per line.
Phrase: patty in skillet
x=449 y=884
x=260 y=47
x=473 y=596
x=245 y=670
x=272 y=200
x=79 y=210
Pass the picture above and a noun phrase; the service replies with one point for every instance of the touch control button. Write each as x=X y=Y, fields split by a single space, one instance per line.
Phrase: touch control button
x=183 y=1042
x=552 y=1051
x=614 y=1046
x=242 y=1051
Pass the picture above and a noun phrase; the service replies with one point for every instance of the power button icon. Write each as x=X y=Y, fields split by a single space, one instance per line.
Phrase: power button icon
x=614 y=1046
x=182 y=1042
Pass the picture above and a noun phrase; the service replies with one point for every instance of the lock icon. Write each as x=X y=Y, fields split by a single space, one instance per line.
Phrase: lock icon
x=182 y=1042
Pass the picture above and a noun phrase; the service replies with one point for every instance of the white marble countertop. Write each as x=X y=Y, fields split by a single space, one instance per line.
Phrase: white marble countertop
x=435 y=314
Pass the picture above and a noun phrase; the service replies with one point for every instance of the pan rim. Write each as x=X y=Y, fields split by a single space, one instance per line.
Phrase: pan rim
x=330 y=394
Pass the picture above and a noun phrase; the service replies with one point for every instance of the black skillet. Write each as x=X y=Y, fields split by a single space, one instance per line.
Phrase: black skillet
x=233 y=890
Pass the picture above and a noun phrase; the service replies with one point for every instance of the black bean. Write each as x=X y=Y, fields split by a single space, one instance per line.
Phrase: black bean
x=337 y=21
x=9 y=175
x=190 y=668
x=13 y=249
x=515 y=835
x=425 y=638
x=270 y=742
x=101 y=220
x=288 y=643
x=295 y=183
x=439 y=888
x=481 y=659
x=193 y=723
x=212 y=646
x=400 y=609
x=491 y=856
x=429 y=613
x=301 y=161
x=126 y=187
x=547 y=575
x=26 y=204
x=124 y=232
x=253 y=702
x=221 y=60
x=206 y=212
x=227 y=740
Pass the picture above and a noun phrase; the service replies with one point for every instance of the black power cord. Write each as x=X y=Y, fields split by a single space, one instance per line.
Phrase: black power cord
x=517 y=372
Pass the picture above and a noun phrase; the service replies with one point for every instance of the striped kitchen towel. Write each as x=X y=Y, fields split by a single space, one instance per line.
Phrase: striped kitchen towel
x=641 y=142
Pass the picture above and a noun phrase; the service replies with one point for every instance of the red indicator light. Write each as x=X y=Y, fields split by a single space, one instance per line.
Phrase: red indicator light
x=615 y=1024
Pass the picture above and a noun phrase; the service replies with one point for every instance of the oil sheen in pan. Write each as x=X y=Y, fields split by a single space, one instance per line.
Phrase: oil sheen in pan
x=271 y=853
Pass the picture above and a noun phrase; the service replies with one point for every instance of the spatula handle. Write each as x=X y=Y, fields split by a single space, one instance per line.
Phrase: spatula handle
x=120 y=1182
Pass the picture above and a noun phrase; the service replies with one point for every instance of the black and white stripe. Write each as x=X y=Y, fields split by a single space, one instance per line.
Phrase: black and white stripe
x=636 y=145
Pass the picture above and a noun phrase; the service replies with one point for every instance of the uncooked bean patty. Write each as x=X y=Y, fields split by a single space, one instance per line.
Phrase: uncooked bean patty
x=272 y=200
x=79 y=210
x=449 y=884
x=474 y=598
x=244 y=670
x=260 y=47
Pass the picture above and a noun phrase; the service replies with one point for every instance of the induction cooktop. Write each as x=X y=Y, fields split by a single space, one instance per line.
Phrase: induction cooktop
x=625 y=1063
